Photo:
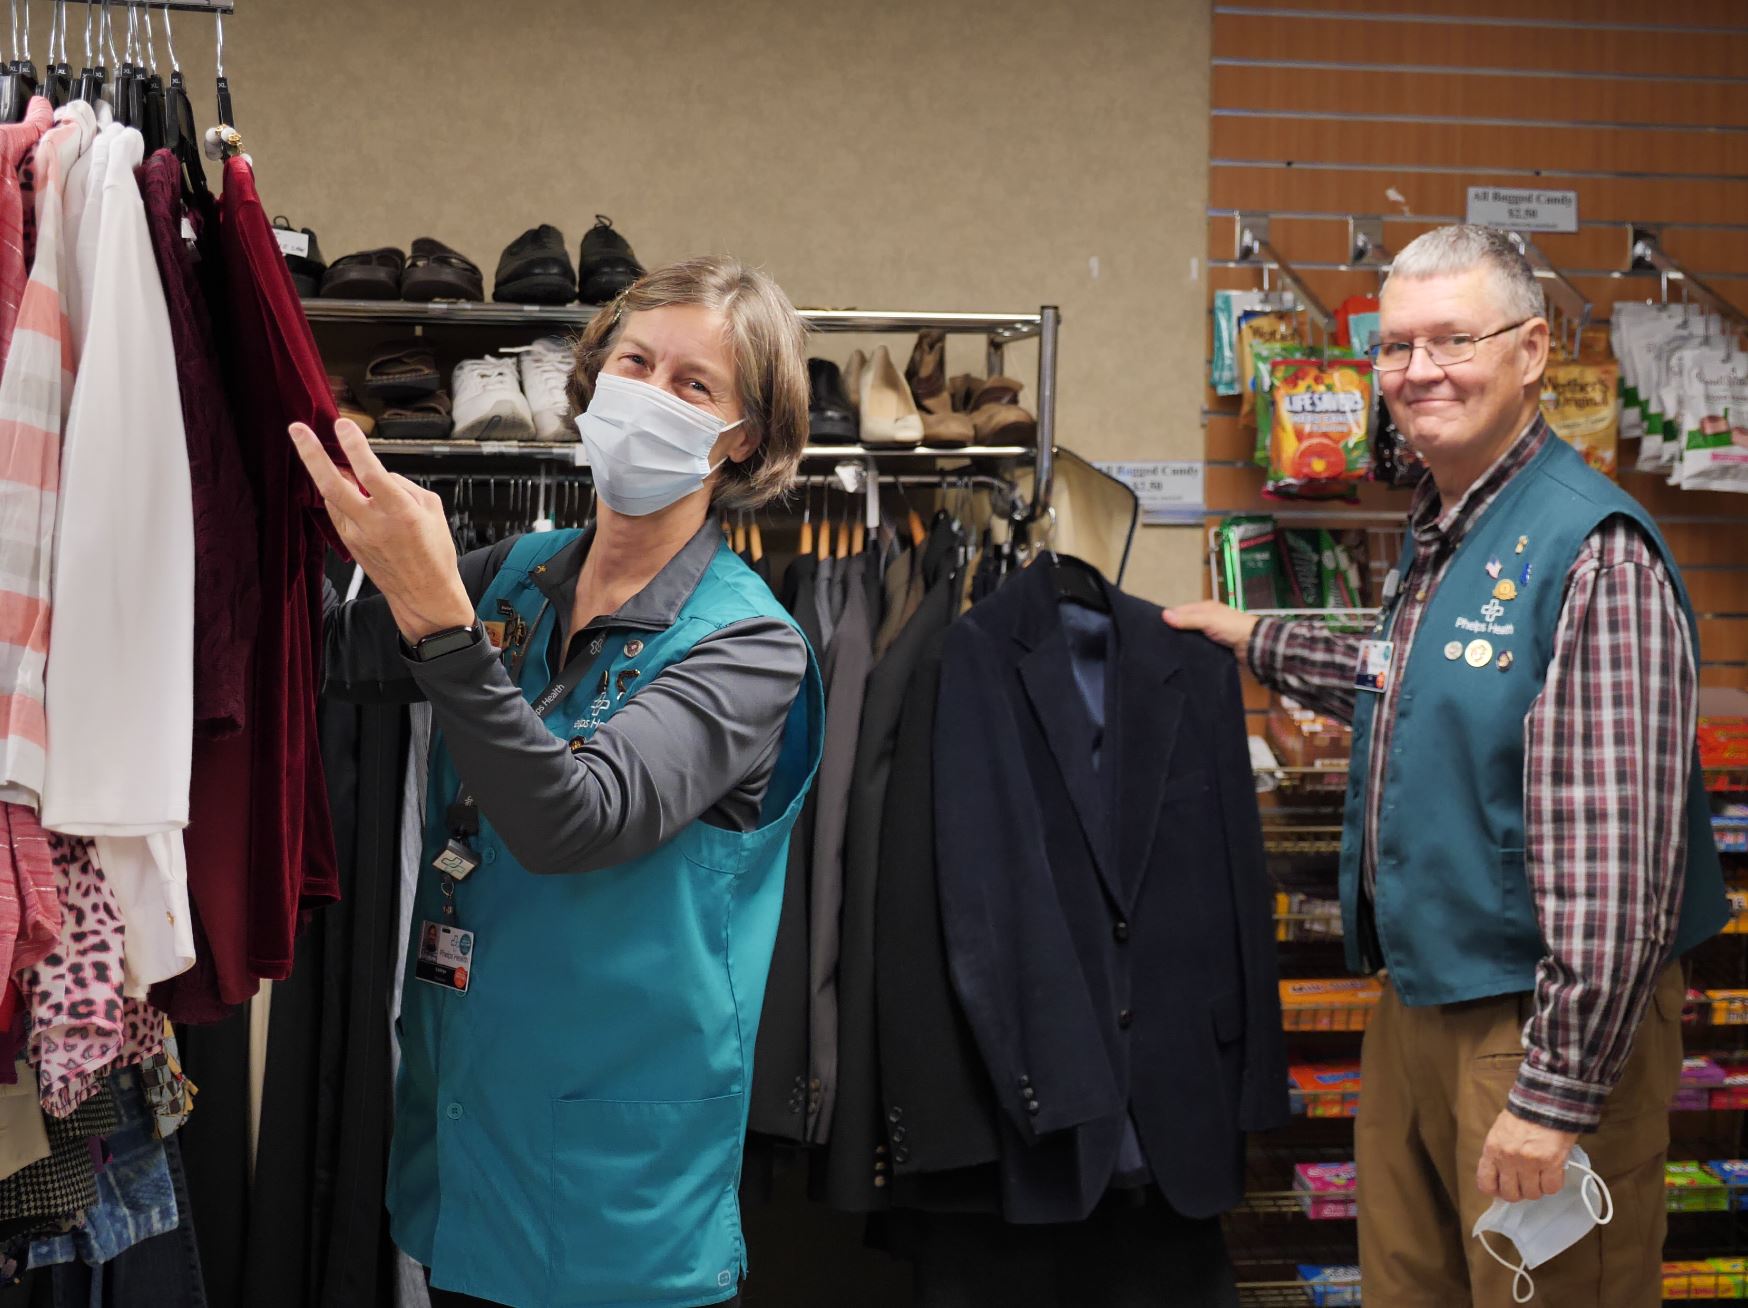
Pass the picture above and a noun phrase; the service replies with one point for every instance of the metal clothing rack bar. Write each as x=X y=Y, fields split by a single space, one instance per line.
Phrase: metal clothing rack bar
x=1251 y=245
x=1646 y=254
x=180 y=6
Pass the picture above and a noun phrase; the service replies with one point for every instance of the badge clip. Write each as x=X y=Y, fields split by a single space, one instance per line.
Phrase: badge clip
x=455 y=860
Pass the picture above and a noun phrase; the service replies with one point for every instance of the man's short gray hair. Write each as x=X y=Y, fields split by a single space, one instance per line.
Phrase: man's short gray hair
x=1445 y=251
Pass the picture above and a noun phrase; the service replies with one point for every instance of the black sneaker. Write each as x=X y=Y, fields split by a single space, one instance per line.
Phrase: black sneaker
x=536 y=269
x=303 y=256
x=606 y=265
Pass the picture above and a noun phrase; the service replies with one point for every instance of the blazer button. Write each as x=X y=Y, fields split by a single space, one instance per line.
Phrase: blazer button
x=1120 y=933
x=895 y=1116
x=1025 y=1081
x=1032 y=1107
x=1124 y=1018
x=903 y=1155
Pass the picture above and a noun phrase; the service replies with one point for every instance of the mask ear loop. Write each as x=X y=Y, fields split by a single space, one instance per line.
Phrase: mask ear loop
x=1591 y=1179
x=1519 y=1272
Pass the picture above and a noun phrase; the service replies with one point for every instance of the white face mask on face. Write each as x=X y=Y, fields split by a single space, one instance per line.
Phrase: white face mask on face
x=647 y=448
x=1544 y=1228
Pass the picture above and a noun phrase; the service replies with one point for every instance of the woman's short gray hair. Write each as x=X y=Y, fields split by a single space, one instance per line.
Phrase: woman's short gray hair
x=1446 y=251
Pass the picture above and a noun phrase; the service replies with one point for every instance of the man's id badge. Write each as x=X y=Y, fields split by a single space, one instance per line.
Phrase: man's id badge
x=1373 y=673
x=445 y=956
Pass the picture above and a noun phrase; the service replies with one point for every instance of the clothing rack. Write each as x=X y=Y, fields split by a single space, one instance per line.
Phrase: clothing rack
x=998 y=329
x=1646 y=253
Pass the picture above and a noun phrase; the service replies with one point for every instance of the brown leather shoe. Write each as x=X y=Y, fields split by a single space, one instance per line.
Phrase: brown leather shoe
x=927 y=373
x=997 y=417
x=402 y=370
x=347 y=403
x=948 y=430
x=962 y=389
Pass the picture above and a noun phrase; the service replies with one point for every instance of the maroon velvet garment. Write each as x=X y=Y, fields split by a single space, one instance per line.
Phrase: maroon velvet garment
x=276 y=378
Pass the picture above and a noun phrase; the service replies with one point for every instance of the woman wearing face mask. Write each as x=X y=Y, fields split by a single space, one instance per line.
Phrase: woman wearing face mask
x=625 y=724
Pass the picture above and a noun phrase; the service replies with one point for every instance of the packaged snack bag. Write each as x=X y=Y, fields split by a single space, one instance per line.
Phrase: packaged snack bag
x=1713 y=421
x=1249 y=552
x=1256 y=329
x=1356 y=322
x=1228 y=305
x=1261 y=394
x=1328 y=1189
x=1578 y=400
x=1319 y=442
x=1330 y=1287
x=1690 y=1188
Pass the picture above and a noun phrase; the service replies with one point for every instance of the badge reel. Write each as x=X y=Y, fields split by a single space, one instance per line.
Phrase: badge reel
x=445 y=950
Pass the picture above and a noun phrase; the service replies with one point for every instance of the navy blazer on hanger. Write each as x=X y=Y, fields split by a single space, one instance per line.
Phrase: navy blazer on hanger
x=1108 y=926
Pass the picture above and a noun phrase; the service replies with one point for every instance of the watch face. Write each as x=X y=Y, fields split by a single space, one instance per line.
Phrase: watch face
x=447 y=642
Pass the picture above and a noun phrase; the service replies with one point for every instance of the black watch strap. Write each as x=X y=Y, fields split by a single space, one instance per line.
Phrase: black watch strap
x=439 y=643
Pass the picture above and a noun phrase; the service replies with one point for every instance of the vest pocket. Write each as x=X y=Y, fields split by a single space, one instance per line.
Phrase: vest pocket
x=1517 y=933
x=642 y=1200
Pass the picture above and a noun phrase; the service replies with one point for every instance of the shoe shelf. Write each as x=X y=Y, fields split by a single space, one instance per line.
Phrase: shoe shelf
x=571 y=452
x=1000 y=330
x=1004 y=327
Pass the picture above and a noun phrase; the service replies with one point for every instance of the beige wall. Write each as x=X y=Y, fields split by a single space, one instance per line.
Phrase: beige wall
x=912 y=154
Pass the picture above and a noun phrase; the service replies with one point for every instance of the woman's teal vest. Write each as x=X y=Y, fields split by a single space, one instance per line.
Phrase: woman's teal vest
x=1453 y=911
x=569 y=1131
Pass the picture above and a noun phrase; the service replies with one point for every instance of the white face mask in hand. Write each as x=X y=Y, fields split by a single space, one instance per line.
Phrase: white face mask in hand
x=1544 y=1228
x=647 y=448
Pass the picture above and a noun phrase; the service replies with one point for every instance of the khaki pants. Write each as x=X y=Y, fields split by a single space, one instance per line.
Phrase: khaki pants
x=1433 y=1081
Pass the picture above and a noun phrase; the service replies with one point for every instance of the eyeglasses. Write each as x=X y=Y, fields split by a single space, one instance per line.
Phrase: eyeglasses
x=1443 y=351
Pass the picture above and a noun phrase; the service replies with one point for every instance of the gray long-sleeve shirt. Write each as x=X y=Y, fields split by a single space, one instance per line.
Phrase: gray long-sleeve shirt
x=699 y=741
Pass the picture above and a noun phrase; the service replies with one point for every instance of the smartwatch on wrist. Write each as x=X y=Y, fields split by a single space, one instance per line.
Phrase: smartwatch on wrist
x=439 y=643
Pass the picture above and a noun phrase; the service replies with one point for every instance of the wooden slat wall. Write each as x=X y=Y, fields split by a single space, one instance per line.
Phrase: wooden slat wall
x=1328 y=108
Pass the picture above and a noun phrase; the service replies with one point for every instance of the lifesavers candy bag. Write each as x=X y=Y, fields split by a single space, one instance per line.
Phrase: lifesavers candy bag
x=1319 y=441
x=1578 y=400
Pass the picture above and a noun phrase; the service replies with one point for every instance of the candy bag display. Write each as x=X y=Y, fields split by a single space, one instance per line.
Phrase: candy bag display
x=1319 y=442
x=1228 y=305
x=1578 y=400
x=1256 y=329
x=1249 y=553
x=1714 y=414
x=1262 y=392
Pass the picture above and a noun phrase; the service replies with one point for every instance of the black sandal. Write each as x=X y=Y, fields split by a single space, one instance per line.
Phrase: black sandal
x=436 y=272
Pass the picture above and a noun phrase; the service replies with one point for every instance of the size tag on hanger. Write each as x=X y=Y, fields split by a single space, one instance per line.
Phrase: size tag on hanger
x=445 y=957
x=295 y=244
x=1373 y=673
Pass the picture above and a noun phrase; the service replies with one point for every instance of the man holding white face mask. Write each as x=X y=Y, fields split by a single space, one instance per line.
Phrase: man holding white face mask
x=1528 y=849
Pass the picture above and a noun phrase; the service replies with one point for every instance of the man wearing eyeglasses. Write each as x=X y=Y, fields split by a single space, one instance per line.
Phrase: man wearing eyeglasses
x=1527 y=850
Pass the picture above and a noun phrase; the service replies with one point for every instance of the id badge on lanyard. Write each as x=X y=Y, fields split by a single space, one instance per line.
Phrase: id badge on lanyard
x=1376 y=654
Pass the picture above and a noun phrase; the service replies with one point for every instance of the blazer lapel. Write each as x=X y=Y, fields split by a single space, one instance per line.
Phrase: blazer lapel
x=1049 y=681
x=1141 y=728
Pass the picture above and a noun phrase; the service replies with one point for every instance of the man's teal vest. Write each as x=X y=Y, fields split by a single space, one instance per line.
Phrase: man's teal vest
x=569 y=1131
x=1453 y=911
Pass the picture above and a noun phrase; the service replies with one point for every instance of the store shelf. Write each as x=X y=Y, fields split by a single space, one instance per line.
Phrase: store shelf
x=1296 y=1203
x=464 y=313
x=571 y=452
x=1293 y=1294
x=1301 y=841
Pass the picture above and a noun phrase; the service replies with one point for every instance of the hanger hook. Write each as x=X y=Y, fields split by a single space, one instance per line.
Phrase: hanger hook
x=109 y=32
x=219 y=49
x=170 y=42
x=151 y=40
x=25 y=53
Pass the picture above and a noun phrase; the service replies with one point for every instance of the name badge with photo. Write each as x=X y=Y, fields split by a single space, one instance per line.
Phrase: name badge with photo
x=445 y=956
x=1373 y=673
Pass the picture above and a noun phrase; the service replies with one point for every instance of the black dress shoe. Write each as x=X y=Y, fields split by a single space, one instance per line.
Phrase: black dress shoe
x=366 y=275
x=606 y=265
x=306 y=267
x=536 y=269
x=436 y=272
x=831 y=418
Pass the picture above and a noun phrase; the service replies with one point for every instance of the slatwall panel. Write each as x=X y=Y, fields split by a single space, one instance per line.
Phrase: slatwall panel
x=1328 y=108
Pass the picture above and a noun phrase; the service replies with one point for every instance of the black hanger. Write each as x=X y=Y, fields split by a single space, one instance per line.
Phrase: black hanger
x=1078 y=582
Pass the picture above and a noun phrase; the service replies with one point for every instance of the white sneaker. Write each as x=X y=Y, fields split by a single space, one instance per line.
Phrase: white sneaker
x=546 y=367
x=489 y=405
